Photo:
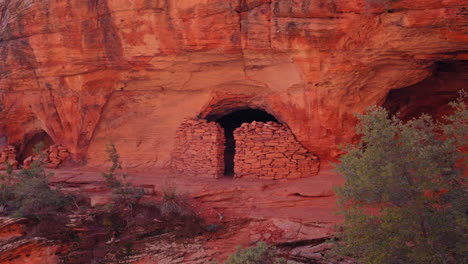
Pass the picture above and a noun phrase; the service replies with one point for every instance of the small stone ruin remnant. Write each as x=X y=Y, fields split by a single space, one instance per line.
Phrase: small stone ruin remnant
x=262 y=150
x=199 y=149
x=270 y=151
x=8 y=155
x=55 y=155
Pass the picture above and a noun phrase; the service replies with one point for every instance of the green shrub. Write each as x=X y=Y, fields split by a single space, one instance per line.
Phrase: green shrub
x=28 y=194
x=169 y=192
x=261 y=254
x=175 y=208
x=404 y=200
x=174 y=203
x=34 y=198
x=125 y=195
x=110 y=177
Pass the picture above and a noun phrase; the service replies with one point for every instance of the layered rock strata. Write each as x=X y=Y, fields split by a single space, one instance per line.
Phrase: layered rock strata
x=270 y=151
x=130 y=71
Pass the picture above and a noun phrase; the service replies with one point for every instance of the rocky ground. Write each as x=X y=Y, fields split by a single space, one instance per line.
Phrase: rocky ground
x=295 y=215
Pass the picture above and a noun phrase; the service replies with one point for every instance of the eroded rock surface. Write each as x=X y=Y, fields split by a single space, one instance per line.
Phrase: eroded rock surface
x=130 y=71
x=30 y=251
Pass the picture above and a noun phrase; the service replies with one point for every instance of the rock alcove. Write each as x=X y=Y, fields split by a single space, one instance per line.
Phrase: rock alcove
x=54 y=154
x=430 y=96
x=31 y=140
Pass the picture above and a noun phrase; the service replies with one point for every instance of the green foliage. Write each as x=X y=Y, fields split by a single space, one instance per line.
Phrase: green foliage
x=169 y=192
x=261 y=254
x=175 y=208
x=404 y=200
x=28 y=194
x=174 y=203
x=124 y=194
x=456 y=125
x=9 y=169
x=129 y=218
x=111 y=177
x=34 y=198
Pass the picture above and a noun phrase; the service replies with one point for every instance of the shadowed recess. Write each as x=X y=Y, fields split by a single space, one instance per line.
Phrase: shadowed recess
x=31 y=140
x=232 y=121
x=432 y=95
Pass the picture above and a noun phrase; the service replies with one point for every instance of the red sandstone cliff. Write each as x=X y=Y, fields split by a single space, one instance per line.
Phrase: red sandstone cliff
x=129 y=71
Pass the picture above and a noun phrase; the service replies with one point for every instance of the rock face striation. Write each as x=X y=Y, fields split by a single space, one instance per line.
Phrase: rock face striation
x=130 y=71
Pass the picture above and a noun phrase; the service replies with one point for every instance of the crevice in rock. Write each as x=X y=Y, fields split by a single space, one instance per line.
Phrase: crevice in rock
x=301 y=243
x=311 y=196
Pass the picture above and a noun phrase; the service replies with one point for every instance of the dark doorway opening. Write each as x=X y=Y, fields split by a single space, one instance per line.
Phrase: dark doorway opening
x=232 y=121
x=30 y=142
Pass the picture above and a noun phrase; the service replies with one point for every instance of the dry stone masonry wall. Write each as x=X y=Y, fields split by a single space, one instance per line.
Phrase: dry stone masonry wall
x=270 y=151
x=199 y=149
x=8 y=155
x=54 y=157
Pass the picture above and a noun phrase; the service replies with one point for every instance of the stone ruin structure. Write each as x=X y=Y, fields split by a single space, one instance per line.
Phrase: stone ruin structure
x=262 y=150
x=270 y=151
x=55 y=155
x=199 y=149
x=131 y=71
x=8 y=155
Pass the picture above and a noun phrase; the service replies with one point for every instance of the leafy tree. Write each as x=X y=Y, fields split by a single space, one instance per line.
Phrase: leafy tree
x=404 y=200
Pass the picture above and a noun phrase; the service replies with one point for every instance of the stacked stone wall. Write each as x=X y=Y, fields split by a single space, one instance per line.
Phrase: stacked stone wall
x=54 y=157
x=199 y=149
x=8 y=155
x=270 y=151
